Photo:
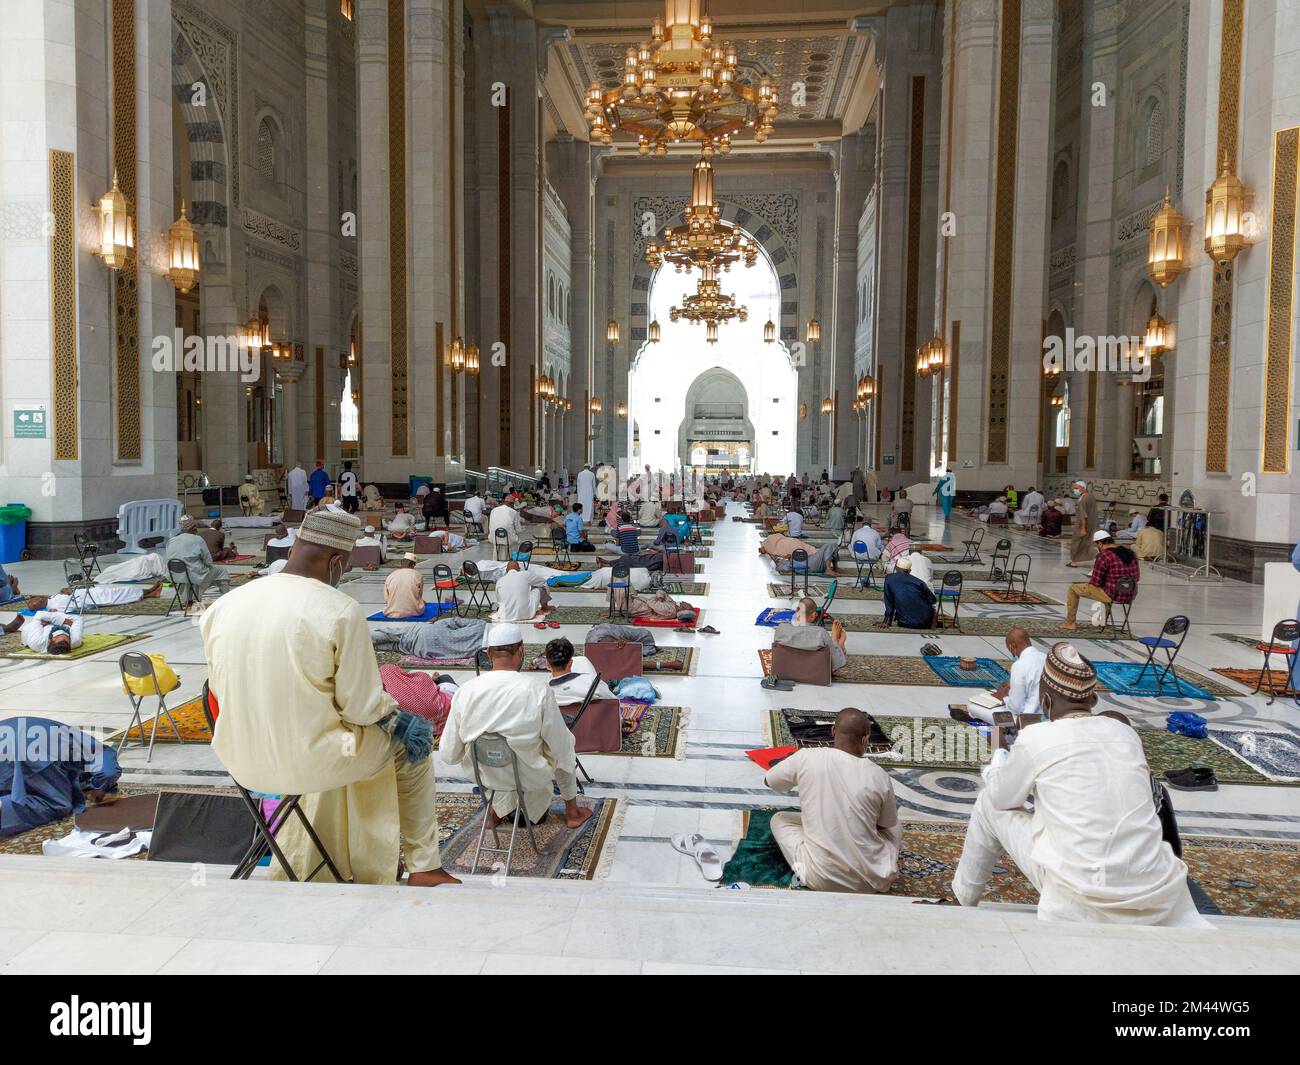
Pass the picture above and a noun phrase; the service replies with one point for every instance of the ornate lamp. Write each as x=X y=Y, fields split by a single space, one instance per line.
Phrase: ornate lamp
x=182 y=254
x=769 y=332
x=1159 y=335
x=814 y=333
x=803 y=410
x=1225 y=206
x=595 y=405
x=471 y=359
x=611 y=331
x=828 y=405
x=621 y=410
x=923 y=361
x=1167 y=245
x=116 y=228
x=654 y=331
x=456 y=356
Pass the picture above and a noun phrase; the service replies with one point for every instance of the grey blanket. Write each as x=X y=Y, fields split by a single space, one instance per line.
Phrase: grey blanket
x=452 y=638
x=626 y=633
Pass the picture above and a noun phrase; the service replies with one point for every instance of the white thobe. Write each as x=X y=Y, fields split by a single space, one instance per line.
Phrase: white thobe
x=297 y=483
x=519 y=595
x=1026 y=672
x=868 y=535
x=587 y=494
x=139 y=568
x=100 y=595
x=575 y=688
x=474 y=507
x=504 y=516
x=35 y=632
x=922 y=568
x=1092 y=845
x=523 y=710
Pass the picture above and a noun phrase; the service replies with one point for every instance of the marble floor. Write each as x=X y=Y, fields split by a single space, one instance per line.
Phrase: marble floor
x=705 y=790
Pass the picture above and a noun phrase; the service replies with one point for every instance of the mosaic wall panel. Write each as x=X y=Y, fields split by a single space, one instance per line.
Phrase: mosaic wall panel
x=954 y=387
x=1281 y=288
x=126 y=287
x=397 y=310
x=912 y=282
x=503 y=274
x=63 y=302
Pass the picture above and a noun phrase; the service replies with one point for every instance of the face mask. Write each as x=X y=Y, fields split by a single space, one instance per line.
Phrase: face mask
x=1075 y=492
x=336 y=571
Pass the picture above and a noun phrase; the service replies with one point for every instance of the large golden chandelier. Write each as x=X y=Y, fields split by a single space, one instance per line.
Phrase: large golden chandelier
x=703 y=239
x=681 y=86
x=709 y=304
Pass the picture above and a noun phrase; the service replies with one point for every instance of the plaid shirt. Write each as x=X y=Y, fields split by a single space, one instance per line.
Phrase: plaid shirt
x=1109 y=569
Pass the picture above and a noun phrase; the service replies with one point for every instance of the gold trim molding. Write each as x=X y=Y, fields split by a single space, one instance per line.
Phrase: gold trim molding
x=63 y=302
x=126 y=287
x=1281 y=302
x=397 y=303
x=912 y=281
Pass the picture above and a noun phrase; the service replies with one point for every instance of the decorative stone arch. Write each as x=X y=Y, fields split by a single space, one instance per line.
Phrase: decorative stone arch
x=205 y=128
x=1136 y=309
x=269 y=119
x=783 y=259
x=705 y=378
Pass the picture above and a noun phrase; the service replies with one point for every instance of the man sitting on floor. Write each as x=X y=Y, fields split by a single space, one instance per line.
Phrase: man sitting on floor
x=368 y=538
x=188 y=547
x=846 y=834
x=1111 y=565
x=1093 y=845
x=521 y=594
x=571 y=674
x=48 y=632
x=404 y=589
x=215 y=538
x=400 y=526
x=794 y=522
x=908 y=599
x=1049 y=524
x=804 y=632
x=574 y=532
x=1137 y=522
x=8 y=587
x=1019 y=693
x=303 y=711
x=505 y=702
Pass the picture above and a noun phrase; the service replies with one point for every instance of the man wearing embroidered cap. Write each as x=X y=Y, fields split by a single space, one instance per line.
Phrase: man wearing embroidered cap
x=524 y=711
x=303 y=711
x=1092 y=845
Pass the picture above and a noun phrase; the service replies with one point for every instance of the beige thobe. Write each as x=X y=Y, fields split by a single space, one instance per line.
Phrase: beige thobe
x=404 y=593
x=1085 y=524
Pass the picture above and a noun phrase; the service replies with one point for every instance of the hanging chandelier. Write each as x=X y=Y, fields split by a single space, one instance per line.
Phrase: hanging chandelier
x=703 y=238
x=709 y=304
x=814 y=332
x=1225 y=211
x=681 y=85
x=1167 y=244
x=1159 y=335
x=769 y=332
x=182 y=254
x=654 y=331
x=866 y=389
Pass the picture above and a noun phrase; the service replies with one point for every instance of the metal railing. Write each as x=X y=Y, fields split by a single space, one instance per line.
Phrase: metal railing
x=497 y=478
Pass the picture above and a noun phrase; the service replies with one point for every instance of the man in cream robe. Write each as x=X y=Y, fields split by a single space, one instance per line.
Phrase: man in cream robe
x=524 y=711
x=303 y=711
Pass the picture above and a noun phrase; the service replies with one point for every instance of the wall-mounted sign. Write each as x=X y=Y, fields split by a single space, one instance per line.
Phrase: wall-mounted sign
x=29 y=423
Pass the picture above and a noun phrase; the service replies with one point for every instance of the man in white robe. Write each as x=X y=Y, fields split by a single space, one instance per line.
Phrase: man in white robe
x=136 y=568
x=48 y=631
x=524 y=711
x=1092 y=845
x=587 y=493
x=521 y=594
x=297 y=485
x=504 y=516
x=303 y=710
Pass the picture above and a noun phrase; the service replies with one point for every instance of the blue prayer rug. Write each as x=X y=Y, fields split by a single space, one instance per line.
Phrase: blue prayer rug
x=1275 y=754
x=986 y=674
x=431 y=612
x=772 y=617
x=1122 y=679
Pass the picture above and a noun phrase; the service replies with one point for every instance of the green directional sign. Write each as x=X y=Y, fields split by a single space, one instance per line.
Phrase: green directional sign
x=29 y=423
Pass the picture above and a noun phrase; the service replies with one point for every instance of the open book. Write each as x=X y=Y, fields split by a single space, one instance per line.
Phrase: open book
x=985 y=699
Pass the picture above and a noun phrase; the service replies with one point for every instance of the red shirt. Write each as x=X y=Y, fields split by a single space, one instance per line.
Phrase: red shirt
x=1109 y=569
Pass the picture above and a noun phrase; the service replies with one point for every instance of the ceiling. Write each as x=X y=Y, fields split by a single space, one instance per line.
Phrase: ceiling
x=825 y=44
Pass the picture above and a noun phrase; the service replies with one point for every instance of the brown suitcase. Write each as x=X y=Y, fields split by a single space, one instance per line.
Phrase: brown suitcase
x=801 y=666
x=615 y=659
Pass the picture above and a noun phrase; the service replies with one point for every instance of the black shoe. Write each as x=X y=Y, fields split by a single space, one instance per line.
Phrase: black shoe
x=772 y=684
x=1194 y=778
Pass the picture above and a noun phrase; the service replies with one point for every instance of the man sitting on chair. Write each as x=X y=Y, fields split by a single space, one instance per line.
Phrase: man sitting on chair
x=250 y=499
x=404 y=589
x=1112 y=563
x=846 y=835
x=1093 y=845
x=804 y=632
x=571 y=674
x=908 y=599
x=303 y=710
x=188 y=547
x=504 y=516
x=505 y=702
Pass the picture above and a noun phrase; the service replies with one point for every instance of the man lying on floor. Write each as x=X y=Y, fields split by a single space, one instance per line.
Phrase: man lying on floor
x=821 y=559
x=303 y=710
x=1092 y=844
x=47 y=772
x=101 y=595
x=804 y=632
x=50 y=632
x=506 y=702
x=846 y=835
x=451 y=638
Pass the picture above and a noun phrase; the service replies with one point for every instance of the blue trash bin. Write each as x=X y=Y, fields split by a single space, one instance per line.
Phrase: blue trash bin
x=13 y=531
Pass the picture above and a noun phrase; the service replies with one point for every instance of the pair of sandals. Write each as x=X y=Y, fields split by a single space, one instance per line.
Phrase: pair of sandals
x=708 y=630
x=699 y=848
x=546 y=624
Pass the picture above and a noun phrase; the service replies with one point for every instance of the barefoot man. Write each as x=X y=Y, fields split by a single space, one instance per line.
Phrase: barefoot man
x=524 y=711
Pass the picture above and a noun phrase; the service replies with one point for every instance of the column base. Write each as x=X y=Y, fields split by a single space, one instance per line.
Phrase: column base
x=48 y=540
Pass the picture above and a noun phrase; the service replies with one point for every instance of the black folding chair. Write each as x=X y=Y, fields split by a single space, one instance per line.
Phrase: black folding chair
x=274 y=554
x=480 y=598
x=672 y=549
x=1175 y=626
x=501 y=545
x=182 y=591
x=1125 y=590
x=949 y=592
x=903 y=521
x=972 y=548
x=1019 y=571
x=560 y=545
x=468 y=521
x=572 y=722
x=444 y=581
x=1001 y=559
x=524 y=556
x=798 y=564
x=80 y=586
x=1283 y=642
x=139 y=667
x=620 y=580
x=87 y=554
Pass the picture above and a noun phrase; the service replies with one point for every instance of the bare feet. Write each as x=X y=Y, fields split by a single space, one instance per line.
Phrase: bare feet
x=1070 y=626
x=432 y=878
x=575 y=815
x=153 y=591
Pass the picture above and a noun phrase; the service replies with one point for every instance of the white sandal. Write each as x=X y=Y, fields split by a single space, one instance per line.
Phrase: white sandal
x=702 y=851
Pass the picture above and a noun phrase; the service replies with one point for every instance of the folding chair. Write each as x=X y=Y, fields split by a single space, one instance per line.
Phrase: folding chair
x=274 y=554
x=672 y=548
x=501 y=545
x=1283 y=642
x=182 y=591
x=492 y=750
x=137 y=666
x=467 y=520
x=1001 y=558
x=1174 y=626
x=573 y=724
x=1125 y=590
x=861 y=559
x=87 y=554
x=798 y=564
x=949 y=592
x=480 y=598
x=560 y=545
x=903 y=521
x=620 y=580
x=823 y=615
x=74 y=576
x=972 y=548
x=445 y=581
x=524 y=556
x=1018 y=572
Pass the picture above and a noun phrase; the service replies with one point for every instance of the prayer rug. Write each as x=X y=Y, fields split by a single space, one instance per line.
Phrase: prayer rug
x=772 y=617
x=996 y=595
x=1039 y=626
x=532 y=658
x=659 y=732
x=11 y=646
x=987 y=674
x=1275 y=754
x=1243 y=877
x=941 y=743
x=1122 y=679
x=1250 y=679
x=584 y=853
x=1236 y=637
x=645 y=621
x=432 y=611
x=188 y=718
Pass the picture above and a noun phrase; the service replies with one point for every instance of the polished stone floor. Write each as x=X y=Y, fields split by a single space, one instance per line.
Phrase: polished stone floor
x=704 y=791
